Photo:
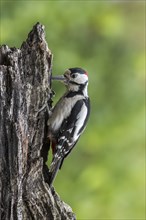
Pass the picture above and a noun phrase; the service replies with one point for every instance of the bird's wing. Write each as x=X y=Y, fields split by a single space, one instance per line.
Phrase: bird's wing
x=73 y=126
x=69 y=134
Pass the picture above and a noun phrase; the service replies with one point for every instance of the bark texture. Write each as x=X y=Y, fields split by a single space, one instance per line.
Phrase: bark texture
x=25 y=93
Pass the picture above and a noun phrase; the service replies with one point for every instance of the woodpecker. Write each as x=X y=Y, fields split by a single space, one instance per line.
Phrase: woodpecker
x=69 y=117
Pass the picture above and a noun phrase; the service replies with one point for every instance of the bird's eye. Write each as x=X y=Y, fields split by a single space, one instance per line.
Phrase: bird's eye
x=73 y=75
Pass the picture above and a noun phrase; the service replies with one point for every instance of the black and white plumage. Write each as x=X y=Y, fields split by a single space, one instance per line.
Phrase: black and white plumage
x=69 y=117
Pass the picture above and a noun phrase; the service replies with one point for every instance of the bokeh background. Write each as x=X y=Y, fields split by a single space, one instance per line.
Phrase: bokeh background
x=104 y=176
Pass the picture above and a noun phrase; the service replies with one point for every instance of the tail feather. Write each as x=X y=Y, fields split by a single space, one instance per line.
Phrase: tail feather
x=53 y=170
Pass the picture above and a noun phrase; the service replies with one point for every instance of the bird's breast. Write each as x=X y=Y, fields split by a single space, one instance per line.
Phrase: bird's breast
x=61 y=111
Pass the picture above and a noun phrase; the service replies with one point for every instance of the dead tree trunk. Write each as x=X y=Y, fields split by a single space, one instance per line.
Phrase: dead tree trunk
x=25 y=91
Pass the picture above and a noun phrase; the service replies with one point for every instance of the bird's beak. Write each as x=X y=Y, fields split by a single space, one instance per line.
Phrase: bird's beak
x=59 y=78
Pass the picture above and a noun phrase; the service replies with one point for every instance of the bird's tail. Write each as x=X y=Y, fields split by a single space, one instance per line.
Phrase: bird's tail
x=53 y=169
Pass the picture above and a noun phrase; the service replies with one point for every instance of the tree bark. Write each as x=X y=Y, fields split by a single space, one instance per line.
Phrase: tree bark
x=25 y=93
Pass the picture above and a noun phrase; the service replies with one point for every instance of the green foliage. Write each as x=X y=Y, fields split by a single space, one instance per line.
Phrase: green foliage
x=104 y=177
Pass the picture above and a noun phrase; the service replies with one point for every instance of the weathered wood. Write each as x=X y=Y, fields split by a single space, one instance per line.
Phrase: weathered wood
x=24 y=94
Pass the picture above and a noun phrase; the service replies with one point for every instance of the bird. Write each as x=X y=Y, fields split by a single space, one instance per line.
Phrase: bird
x=68 y=118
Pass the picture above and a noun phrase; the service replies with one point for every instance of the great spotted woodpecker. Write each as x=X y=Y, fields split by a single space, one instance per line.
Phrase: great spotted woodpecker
x=69 y=117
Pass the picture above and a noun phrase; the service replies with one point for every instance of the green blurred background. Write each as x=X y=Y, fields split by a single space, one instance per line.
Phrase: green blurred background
x=104 y=176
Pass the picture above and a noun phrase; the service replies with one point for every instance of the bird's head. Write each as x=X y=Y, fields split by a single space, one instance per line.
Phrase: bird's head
x=75 y=79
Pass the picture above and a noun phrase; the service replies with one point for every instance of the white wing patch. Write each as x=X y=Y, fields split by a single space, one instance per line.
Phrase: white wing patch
x=80 y=121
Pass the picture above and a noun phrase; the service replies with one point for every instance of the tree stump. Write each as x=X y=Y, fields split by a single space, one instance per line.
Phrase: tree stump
x=25 y=93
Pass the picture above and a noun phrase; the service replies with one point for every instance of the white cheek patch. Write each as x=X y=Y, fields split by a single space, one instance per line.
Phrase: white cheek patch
x=81 y=78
